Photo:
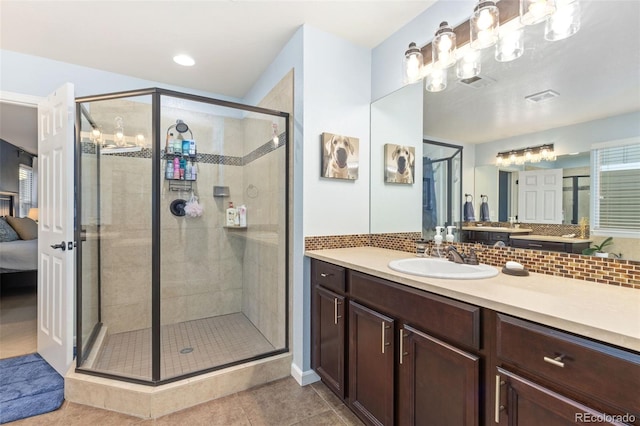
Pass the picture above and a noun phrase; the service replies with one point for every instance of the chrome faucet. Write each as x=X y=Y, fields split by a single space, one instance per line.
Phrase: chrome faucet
x=455 y=256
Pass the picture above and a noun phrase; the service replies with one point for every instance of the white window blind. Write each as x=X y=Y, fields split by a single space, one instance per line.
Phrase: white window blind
x=616 y=205
x=25 y=176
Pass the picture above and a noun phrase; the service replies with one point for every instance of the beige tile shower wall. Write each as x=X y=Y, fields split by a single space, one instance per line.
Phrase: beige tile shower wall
x=125 y=242
x=264 y=288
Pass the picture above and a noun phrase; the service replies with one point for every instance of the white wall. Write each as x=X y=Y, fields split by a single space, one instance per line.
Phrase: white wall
x=566 y=139
x=337 y=92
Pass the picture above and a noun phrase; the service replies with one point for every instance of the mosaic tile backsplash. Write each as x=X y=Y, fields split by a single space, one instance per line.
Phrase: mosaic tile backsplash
x=619 y=272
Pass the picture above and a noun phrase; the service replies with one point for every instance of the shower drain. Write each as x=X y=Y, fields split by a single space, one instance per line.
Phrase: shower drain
x=186 y=350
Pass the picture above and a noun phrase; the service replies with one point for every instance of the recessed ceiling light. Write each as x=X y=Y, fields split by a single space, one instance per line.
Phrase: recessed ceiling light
x=184 y=60
x=542 y=96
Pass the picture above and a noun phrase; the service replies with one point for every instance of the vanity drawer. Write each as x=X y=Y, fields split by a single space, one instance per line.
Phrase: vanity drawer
x=590 y=368
x=328 y=276
x=453 y=321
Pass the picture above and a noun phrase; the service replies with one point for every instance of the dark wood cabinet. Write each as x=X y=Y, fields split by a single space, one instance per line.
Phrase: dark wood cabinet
x=330 y=334
x=576 y=247
x=371 y=365
x=522 y=402
x=417 y=358
x=328 y=326
x=438 y=383
x=485 y=237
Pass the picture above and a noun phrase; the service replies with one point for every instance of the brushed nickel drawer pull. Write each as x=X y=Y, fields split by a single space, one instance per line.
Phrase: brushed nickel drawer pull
x=401 y=350
x=557 y=361
x=535 y=245
x=323 y=275
x=335 y=310
x=384 y=326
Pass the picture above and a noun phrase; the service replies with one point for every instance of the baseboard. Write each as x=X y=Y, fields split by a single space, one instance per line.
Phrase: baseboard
x=303 y=378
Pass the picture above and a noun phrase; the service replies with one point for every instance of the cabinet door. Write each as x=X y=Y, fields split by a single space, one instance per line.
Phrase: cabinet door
x=329 y=341
x=524 y=403
x=371 y=352
x=438 y=383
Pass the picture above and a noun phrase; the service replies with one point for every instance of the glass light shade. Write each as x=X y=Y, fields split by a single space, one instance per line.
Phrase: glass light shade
x=468 y=65
x=436 y=80
x=412 y=64
x=443 y=48
x=118 y=132
x=565 y=22
x=510 y=45
x=536 y=11
x=499 y=160
x=485 y=24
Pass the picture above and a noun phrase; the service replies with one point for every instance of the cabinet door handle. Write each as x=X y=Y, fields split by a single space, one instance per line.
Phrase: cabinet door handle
x=402 y=352
x=535 y=245
x=323 y=275
x=335 y=310
x=498 y=407
x=557 y=361
x=384 y=326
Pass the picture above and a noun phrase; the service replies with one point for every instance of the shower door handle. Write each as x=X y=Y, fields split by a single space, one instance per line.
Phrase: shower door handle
x=62 y=246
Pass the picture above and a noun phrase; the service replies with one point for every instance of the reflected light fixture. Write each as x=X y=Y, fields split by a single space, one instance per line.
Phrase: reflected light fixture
x=444 y=47
x=468 y=65
x=536 y=11
x=412 y=64
x=118 y=132
x=184 y=60
x=565 y=22
x=484 y=23
x=532 y=154
x=275 y=138
x=436 y=80
x=510 y=45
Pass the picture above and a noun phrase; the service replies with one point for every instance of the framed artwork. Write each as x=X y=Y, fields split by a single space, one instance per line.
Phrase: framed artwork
x=399 y=164
x=340 y=156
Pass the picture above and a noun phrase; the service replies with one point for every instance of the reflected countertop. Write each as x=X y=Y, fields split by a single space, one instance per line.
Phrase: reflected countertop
x=602 y=312
x=497 y=229
x=551 y=238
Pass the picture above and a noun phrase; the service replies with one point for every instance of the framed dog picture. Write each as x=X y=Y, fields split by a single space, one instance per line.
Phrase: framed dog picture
x=399 y=163
x=340 y=156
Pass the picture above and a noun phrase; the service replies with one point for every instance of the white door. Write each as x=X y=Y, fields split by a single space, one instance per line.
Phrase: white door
x=56 y=116
x=540 y=196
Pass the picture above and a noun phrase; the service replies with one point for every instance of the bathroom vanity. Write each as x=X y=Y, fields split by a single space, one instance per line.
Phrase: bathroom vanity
x=550 y=243
x=491 y=234
x=401 y=349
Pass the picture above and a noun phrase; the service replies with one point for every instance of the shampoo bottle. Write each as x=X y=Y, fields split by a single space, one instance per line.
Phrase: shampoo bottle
x=169 y=170
x=194 y=171
x=169 y=146
x=187 y=173
x=185 y=147
x=192 y=148
x=231 y=215
x=176 y=168
x=177 y=146
x=242 y=215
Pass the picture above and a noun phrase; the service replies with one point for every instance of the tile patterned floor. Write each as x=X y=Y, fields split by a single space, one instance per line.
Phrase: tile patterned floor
x=212 y=341
x=280 y=403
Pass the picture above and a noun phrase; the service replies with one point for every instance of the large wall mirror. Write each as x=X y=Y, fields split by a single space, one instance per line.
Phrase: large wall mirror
x=595 y=73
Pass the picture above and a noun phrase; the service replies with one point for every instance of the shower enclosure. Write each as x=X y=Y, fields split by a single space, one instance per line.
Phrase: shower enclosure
x=170 y=283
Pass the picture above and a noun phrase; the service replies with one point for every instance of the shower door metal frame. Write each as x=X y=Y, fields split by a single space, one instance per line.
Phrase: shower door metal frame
x=156 y=175
x=449 y=160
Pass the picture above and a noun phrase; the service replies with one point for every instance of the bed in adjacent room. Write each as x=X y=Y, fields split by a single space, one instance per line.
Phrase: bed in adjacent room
x=18 y=250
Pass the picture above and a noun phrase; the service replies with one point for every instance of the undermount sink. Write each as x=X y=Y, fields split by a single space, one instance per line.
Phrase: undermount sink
x=441 y=268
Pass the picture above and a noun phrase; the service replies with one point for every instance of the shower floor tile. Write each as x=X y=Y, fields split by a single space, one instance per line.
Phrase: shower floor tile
x=185 y=347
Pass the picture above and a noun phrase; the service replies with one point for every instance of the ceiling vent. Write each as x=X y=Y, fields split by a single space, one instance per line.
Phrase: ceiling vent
x=542 y=96
x=477 y=82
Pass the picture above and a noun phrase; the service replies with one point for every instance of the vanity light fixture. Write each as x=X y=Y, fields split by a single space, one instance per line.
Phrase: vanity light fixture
x=469 y=64
x=510 y=45
x=412 y=64
x=436 y=80
x=532 y=154
x=184 y=60
x=444 y=47
x=535 y=11
x=484 y=23
x=565 y=22
x=118 y=132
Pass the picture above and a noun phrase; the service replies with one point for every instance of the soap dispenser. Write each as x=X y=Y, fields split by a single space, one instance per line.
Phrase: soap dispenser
x=438 y=240
x=449 y=237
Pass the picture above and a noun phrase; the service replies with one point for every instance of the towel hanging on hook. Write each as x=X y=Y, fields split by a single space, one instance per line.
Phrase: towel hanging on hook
x=469 y=214
x=484 y=209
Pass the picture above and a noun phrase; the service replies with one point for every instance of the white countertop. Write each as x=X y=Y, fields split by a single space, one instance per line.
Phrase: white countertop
x=497 y=229
x=551 y=238
x=602 y=312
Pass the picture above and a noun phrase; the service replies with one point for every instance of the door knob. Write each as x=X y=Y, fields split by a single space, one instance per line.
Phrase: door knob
x=62 y=246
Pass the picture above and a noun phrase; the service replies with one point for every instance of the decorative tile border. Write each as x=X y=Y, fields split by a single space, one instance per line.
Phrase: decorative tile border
x=89 y=147
x=618 y=272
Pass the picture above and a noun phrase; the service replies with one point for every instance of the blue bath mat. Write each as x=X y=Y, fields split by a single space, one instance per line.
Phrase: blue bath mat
x=28 y=387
